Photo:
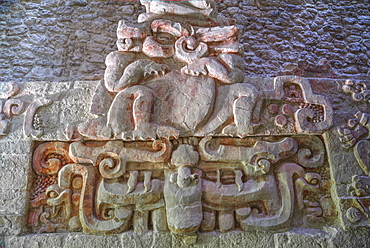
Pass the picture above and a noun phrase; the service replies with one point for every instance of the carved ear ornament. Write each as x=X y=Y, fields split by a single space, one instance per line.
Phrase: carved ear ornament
x=28 y=124
x=315 y=115
x=129 y=45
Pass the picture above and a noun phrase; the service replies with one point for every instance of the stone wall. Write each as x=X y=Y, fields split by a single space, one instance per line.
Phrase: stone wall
x=56 y=40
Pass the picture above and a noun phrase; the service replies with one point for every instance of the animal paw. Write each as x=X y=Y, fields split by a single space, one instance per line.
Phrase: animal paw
x=167 y=132
x=95 y=129
x=360 y=186
x=239 y=131
x=155 y=69
x=194 y=69
x=144 y=132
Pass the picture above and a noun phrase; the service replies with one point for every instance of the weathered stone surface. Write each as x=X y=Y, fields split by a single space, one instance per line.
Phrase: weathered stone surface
x=302 y=238
x=253 y=239
x=176 y=146
x=35 y=241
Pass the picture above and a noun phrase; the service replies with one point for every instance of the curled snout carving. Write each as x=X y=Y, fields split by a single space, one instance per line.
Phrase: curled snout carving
x=258 y=157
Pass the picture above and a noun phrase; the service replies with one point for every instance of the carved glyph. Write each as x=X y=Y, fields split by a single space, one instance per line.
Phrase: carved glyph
x=355 y=136
x=359 y=91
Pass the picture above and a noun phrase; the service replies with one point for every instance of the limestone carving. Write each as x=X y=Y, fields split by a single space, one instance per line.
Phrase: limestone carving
x=183 y=195
x=197 y=12
x=181 y=142
x=13 y=107
x=179 y=72
x=8 y=90
x=48 y=225
x=9 y=105
x=359 y=91
x=360 y=186
x=356 y=136
x=312 y=115
x=172 y=78
x=28 y=125
x=109 y=187
x=354 y=215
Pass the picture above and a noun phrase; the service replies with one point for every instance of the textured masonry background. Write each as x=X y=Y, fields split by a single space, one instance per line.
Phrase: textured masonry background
x=60 y=40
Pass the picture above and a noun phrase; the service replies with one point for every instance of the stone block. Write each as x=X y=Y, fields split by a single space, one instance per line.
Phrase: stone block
x=76 y=240
x=301 y=238
x=247 y=239
x=35 y=241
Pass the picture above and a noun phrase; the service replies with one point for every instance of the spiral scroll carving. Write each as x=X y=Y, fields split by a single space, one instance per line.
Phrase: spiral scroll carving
x=312 y=152
x=111 y=166
x=48 y=158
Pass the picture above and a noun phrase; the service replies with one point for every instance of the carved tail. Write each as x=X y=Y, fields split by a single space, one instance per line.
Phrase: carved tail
x=90 y=223
x=285 y=178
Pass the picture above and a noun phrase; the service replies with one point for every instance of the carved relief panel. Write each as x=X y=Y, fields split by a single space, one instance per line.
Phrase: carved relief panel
x=179 y=140
x=182 y=186
x=355 y=139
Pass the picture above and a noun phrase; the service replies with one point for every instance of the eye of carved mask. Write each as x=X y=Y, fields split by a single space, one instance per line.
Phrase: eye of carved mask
x=165 y=38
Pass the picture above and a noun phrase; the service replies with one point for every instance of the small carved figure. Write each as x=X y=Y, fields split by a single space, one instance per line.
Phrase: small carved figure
x=183 y=196
x=292 y=92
